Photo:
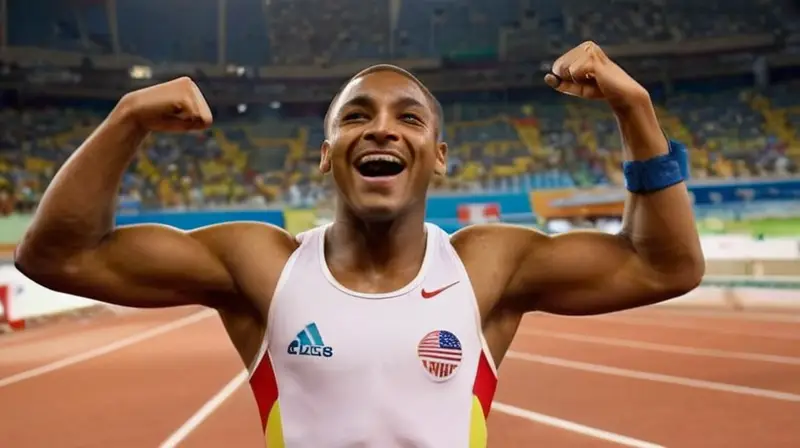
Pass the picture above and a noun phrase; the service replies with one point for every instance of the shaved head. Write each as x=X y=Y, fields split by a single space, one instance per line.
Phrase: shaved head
x=434 y=105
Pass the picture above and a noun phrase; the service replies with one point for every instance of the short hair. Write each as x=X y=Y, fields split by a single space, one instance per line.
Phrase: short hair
x=437 y=106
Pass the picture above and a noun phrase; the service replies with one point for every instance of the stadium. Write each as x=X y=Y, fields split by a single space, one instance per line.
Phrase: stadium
x=719 y=366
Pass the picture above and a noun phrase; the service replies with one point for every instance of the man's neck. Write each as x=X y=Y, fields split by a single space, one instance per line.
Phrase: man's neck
x=376 y=247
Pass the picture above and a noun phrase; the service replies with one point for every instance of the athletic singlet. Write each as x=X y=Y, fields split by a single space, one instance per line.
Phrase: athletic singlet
x=409 y=368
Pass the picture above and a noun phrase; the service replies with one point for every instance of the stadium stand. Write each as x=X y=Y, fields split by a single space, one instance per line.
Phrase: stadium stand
x=494 y=147
x=268 y=155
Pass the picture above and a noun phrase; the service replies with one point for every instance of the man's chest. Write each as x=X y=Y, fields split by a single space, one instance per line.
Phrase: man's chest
x=342 y=339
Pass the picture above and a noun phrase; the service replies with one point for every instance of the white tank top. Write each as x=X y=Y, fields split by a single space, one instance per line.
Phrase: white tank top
x=409 y=368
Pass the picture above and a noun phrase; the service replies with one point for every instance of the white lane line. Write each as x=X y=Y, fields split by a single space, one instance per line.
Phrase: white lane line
x=204 y=412
x=666 y=313
x=656 y=377
x=223 y=394
x=651 y=322
x=572 y=426
x=665 y=348
x=106 y=349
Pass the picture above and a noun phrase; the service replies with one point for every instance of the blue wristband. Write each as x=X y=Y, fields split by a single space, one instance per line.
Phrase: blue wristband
x=680 y=154
x=657 y=173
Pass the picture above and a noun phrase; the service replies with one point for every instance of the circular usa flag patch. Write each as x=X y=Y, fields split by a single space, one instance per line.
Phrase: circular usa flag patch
x=440 y=354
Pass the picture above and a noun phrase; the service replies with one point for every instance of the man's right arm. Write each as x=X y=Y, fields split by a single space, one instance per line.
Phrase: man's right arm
x=73 y=247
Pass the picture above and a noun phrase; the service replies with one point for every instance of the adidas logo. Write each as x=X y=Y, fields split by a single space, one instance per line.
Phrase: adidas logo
x=309 y=343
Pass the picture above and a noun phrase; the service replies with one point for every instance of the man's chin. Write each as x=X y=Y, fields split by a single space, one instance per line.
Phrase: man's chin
x=375 y=207
x=377 y=212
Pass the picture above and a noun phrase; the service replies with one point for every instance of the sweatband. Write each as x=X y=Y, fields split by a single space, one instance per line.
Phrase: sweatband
x=657 y=173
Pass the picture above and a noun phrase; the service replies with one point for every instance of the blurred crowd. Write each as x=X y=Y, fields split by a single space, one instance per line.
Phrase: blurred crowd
x=553 y=142
x=546 y=142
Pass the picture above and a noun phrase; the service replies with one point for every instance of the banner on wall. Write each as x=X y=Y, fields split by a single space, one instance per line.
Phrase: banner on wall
x=299 y=220
x=572 y=203
x=478 y=213
x=193 y=219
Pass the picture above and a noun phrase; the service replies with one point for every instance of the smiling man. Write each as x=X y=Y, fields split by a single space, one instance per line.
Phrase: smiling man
x=377 y=329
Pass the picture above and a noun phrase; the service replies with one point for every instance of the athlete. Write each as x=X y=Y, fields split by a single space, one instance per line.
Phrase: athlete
x=378 y=329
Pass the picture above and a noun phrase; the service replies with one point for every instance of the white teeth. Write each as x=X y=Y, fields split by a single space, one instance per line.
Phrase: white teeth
x=380 y=158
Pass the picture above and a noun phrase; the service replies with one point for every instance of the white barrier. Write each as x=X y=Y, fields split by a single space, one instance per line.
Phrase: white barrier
x=25 y=299
x=735 y=297
x=743 y=247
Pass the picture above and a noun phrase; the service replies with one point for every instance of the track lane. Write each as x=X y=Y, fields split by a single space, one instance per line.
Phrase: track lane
x=666 y=414
x=724 y=320
x=128 y=398
x=648 y=330
x=235 y=423
x=139 y=395
x=48 y=345
x=758 y=374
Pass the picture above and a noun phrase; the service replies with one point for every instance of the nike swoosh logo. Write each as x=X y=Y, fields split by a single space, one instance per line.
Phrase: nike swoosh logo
x=436 y=292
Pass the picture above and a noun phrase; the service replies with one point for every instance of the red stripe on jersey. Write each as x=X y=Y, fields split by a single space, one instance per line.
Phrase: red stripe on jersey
x=265 y=388
x=485 y=384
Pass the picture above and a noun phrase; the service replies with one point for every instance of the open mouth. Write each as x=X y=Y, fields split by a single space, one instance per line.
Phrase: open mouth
x=380 y=165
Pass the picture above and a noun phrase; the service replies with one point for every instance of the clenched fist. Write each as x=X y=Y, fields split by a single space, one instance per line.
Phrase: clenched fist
x=176 y=105
x=587 y=72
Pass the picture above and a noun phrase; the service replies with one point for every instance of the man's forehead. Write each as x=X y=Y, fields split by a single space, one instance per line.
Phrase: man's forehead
x=382 y=86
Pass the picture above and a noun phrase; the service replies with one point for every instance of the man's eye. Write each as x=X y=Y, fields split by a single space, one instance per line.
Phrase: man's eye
x=411 y=118
x=354 y=116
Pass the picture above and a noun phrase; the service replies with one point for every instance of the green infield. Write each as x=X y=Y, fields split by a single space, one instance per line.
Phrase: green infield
x=771 y=227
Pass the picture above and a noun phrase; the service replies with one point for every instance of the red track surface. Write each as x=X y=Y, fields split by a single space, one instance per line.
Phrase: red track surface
x=140 y=393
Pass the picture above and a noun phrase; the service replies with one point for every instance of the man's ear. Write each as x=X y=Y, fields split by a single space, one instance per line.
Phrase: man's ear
x=325 y=158
x=441 y=159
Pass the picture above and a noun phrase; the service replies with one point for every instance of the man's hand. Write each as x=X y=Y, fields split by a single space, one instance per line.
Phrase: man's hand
x=176 y=105
x=587 y=72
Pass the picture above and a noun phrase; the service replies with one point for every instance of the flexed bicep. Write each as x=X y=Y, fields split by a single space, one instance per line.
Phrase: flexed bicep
x=576 y=273
x=142 y=266
x=584 y=273
x=152 y=266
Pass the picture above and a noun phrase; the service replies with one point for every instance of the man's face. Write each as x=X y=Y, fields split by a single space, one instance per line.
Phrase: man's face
x=382 y=145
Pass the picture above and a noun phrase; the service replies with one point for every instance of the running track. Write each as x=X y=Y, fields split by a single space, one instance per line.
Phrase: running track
x=644 y=378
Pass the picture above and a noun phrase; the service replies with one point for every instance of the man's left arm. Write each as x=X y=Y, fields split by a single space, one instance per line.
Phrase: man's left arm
x=657 y=255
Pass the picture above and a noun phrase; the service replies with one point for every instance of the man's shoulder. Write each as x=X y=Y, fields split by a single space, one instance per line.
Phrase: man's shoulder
x=494 y=234
x=253 y=234
x=491 y=255
x=500 y=244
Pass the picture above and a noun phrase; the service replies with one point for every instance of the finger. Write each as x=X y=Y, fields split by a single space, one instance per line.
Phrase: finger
x=584 y=90
x=562 y=80
x=595 y=50
x=570 y=88
x=562 y=85
x=191 y=111
x=581 y=70
x=560 y=67
x=574 y=72
x=186 y=119
x=201 y=105
x=552 y=80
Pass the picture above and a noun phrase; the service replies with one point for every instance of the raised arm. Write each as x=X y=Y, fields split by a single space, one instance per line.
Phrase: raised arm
x=73 y=247
x=657 y=256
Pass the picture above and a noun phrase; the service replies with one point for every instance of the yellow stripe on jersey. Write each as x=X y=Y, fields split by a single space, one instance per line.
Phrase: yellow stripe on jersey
x=274 y=431
x=478 y=435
